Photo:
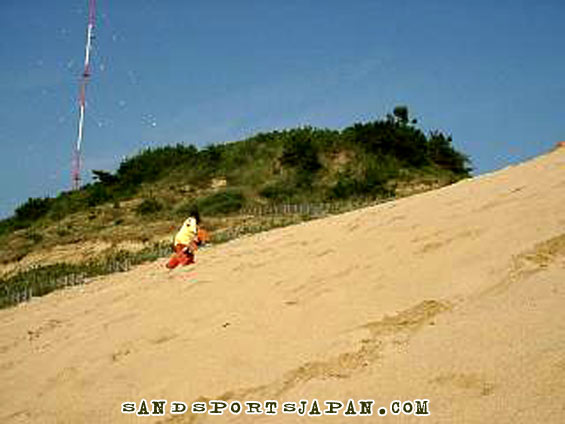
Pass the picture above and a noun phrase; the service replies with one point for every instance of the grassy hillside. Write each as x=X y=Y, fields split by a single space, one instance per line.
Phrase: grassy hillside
x=146 y=197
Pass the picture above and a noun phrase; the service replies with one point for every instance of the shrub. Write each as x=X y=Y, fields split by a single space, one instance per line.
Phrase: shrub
x=65 y=204
x=370 y=178
x=378 y=171
x=62 y=232
x=345 y=187
x=7 y=225
x=301 y=153
x=277 y=192
x=104 y=177
x=98 y=194
x=33 y=236
x=149 y=206
x=32 y=210
x=443 y=154
x=185 y=208
x=150 y=164
x=223 y=202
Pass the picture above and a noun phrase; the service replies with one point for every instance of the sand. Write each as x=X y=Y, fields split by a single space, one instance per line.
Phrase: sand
x=455 y=296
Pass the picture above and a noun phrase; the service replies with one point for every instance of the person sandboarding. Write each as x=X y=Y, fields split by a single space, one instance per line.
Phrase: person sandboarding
x=186 y=242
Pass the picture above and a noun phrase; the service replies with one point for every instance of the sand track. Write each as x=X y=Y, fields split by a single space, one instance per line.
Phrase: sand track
x=455 y=296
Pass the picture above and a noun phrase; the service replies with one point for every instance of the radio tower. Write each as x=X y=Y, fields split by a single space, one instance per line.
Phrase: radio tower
x=76 y=165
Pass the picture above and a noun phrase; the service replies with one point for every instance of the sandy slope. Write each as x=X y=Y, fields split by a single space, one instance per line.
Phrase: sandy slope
x=456 y=296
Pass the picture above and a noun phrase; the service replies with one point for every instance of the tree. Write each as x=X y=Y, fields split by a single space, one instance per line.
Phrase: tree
x=401 y=114
x=301 y=154
x=443 y=154
x=104 y=177
x=33 y=209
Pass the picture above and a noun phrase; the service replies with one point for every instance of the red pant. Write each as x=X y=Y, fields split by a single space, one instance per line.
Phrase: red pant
x=180 y=257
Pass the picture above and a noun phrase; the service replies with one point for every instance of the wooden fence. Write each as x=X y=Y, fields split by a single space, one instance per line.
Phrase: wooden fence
x=41 y=280
x=308 y=209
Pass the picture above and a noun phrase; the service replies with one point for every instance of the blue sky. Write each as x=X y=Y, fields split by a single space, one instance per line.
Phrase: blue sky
x=168 y=71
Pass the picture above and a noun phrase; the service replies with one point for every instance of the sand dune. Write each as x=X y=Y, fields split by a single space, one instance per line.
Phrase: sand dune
x=456 y=296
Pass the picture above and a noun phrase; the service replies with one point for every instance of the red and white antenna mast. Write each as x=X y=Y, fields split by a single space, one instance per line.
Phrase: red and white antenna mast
x=82 y=94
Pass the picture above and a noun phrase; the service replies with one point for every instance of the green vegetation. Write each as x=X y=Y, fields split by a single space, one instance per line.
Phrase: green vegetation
x=363 y=162
x=42 y=280
x=149 y=207
x=222 y=202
